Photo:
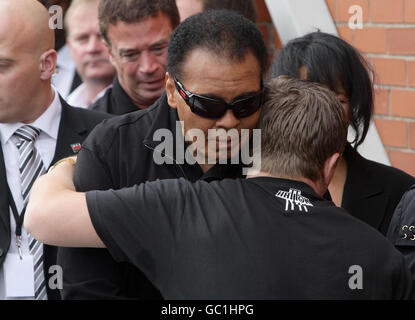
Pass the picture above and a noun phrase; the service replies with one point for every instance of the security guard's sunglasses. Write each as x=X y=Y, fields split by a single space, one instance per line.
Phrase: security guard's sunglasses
x=215 y=108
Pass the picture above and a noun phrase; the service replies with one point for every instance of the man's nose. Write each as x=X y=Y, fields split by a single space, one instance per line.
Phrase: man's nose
x=95 y=44
x=148 y=63
x=228 y=121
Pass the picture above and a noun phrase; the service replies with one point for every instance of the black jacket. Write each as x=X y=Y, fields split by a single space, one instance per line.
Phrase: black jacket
x=402 y=228
x=119 y=153
x=373 y=190
x=115 y=101
x=74 y=127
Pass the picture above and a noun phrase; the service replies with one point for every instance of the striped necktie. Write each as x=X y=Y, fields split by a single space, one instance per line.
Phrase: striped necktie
x=31 y=167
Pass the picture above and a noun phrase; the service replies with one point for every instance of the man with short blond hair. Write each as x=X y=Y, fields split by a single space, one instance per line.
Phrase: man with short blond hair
x=88 y=52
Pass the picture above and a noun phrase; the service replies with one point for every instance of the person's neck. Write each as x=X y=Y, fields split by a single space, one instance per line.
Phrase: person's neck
x=206 y=167
x=318 y=187
x=40 y=103
x=93 y=88
x=336 y=186
x=139 y=103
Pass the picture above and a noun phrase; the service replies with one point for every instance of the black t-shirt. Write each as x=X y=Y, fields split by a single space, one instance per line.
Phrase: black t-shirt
x=260 y=238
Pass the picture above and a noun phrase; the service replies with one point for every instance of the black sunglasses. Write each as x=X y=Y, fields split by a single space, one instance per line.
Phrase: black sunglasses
x=215 y=108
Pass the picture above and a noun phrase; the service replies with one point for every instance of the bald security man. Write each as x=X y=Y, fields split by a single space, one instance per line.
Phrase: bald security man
x=37 y=128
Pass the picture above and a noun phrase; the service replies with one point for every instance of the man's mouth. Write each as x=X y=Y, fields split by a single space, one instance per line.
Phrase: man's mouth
x=156 y=84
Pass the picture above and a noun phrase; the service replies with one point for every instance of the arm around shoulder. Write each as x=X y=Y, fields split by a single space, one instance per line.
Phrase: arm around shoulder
x=58 y=215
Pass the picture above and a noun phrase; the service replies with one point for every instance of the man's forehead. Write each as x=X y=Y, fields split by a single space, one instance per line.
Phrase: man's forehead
x=131 y=36
x=202 y=63
x=12 y=41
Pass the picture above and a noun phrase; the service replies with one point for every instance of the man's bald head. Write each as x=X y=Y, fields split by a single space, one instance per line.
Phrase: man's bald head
x=27 y=60
x=30 y=24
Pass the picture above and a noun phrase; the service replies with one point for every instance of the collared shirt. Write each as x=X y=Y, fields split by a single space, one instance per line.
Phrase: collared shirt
x=65 y=68
x=115 y=101
x=45 y=144
x=79 y=97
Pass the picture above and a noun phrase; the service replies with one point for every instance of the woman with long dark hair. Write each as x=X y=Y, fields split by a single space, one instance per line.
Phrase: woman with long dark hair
x=368 y=190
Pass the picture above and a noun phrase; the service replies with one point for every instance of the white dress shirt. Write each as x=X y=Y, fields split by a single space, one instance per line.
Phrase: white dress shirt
x=63 y=79
x=45 y=144
x=79 y=97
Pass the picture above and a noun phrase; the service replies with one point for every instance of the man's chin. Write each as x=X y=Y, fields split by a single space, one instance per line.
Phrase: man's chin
x=151 y=95
x=223 y=156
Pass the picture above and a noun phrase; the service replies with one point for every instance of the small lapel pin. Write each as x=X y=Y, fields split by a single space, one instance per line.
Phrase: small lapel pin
x=76 y=147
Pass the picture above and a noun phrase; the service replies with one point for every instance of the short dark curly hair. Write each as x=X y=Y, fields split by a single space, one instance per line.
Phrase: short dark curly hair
x=243 y=7
x=222 y=32
x=133 y=11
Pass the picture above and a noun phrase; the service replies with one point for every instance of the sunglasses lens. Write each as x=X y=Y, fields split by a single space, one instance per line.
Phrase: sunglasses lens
x=246 y=107
x=208 y=108
x=215 y=109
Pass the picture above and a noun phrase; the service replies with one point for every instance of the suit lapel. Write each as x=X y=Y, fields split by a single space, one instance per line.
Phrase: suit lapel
x=4 y=210
x=4 y=201
x=71 y=132
x=362 y=194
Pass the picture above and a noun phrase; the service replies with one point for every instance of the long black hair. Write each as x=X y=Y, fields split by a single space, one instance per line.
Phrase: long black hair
x=332 y=61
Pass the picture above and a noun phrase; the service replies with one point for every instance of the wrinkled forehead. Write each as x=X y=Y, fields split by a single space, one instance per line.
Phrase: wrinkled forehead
x=206 y=73
x=203 y=63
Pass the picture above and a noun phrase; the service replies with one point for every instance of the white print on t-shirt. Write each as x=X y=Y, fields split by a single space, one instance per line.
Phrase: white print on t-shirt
x=294 y=197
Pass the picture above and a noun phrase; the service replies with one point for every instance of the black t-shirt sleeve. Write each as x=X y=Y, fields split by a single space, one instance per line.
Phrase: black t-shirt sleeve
x=141 y=224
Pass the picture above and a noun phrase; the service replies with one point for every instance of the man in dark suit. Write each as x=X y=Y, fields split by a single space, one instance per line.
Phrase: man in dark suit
x=37 y=128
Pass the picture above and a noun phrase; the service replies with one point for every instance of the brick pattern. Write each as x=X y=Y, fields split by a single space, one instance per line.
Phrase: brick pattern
x=387 y=40
x=267 y=28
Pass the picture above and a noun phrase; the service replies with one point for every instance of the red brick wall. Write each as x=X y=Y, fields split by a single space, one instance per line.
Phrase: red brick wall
x=266 y=26
x=388 y=41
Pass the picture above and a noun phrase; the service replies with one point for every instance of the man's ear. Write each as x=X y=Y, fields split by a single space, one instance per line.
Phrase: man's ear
x=48 y=64
x=68 y=42
x=170 y=91
x=109 y=52
x=330 y=167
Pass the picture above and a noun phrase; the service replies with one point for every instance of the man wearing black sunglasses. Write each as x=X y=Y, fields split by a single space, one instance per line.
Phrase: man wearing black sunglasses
x=215 y=65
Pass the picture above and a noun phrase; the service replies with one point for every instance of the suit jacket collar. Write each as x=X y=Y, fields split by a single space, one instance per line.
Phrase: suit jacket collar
x=70 y=132
x=362 y=194
x=359 y=175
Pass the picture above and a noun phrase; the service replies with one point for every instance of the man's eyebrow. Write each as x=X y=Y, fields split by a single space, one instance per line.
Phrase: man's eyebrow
x=159 y=43
x=124 y=51
x=6 y=60
x=79 y=34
